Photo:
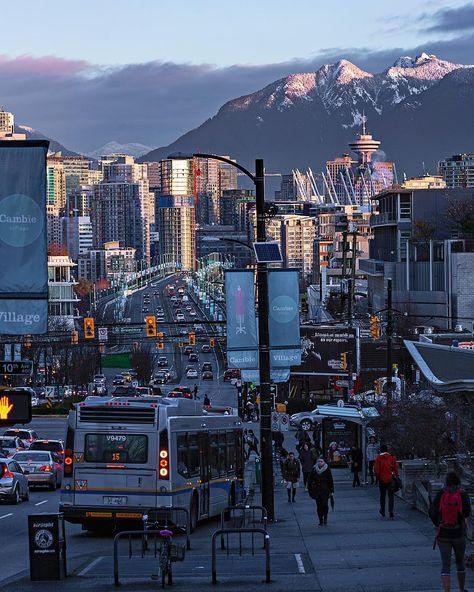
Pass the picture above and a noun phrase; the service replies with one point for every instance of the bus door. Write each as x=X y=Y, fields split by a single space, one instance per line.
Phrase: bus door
x=204 y=474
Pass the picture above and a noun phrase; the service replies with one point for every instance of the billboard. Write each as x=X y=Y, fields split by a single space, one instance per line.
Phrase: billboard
x=338 y=437
x=242 y=335
x=284 y=319
x=322 y=348
x=23 y=240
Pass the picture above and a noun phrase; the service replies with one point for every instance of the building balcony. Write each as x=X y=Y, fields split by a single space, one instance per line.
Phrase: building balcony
x=387 y=218
x=374 y=267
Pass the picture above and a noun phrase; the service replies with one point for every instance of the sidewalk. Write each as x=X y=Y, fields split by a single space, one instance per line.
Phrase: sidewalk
x=358 y=551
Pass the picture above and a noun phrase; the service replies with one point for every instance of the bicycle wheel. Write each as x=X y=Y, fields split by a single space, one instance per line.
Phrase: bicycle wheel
x=164 y=565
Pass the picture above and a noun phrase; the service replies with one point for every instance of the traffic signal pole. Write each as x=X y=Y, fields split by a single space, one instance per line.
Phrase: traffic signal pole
x=268 y=501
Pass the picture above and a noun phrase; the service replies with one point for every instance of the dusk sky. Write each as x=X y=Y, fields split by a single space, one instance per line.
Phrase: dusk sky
x=147 y=71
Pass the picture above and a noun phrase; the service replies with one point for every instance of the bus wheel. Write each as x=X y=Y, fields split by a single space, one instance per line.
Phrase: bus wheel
x=193 y=513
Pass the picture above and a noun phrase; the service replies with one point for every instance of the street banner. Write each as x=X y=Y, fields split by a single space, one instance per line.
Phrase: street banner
x=242 y=337
x=276 y=375
x=284 y=318
x=23 y=240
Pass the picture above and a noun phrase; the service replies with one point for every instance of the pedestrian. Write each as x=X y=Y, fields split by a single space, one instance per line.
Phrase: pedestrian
x=252 y=443
x=321 y=488
x=291 y=475
x=301 y=437
x=206 y=402
x=385 y=469
x=307 y=463
x=257 y=407
x=311 y=402
x=355 y=456
x=448 y=512
x=249 y=407
x=371 y=453
x=316 y=436
x=195 y=390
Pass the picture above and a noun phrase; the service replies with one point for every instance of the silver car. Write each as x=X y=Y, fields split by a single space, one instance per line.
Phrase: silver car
x=306 y=420
x=13 y=483
x=11 y=444
x=40 y=468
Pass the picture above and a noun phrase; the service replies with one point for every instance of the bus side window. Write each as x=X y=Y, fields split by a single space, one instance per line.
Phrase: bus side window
x=222 y=454
x=182 y=455
x=230 y=452
x=194 y=466
x=214 y=455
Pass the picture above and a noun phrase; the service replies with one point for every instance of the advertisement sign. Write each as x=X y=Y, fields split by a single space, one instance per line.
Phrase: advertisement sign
x=338 y=437
x=323 y=349
x=23 y=240
x=242 y=337
x=284 y=320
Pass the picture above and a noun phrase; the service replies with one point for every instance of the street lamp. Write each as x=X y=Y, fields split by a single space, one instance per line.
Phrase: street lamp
x=258 y=179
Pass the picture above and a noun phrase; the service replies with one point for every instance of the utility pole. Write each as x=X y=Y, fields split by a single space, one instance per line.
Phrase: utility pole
x=264 y=351
x=389 y=346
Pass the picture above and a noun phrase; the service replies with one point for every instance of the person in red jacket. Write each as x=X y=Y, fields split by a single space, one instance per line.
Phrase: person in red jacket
x=385 y=468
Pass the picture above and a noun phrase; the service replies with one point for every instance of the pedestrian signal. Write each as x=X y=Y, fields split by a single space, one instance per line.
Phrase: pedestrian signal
x=150 y=323
x=344 y=361
x=212 y=342
x=89 y=331
x=192 y=338
x=374 y=327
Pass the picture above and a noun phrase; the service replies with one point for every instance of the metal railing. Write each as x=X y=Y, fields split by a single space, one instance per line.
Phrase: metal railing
x=240 y=531
x=246 y=517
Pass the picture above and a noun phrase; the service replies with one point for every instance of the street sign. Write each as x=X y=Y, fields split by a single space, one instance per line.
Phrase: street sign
x=275 y=421
x=15 y=406
x=103 y=334
x=127 y=329
x=9 y=368
x=134 y=383
x=284 y=422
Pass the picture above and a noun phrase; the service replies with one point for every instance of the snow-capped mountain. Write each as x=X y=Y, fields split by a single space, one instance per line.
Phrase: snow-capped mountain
x=308 y=118
x=131 y=149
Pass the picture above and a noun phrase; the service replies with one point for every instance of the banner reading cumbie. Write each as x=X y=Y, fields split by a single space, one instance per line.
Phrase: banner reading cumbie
x=23 y=240
x=242 y=339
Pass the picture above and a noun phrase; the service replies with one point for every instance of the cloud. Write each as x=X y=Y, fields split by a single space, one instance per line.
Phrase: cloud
x=85 y=105
x=451 y=20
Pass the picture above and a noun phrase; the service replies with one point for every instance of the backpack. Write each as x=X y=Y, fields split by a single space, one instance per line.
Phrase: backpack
x=450 y=506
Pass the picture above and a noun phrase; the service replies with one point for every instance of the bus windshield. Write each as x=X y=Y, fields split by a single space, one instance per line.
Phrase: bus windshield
x=110 y=448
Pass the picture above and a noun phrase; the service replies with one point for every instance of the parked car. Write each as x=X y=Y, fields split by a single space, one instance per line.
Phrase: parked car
x=206 y=349
x=55 y=446
x=26 y=436
x=163 y=361
x=40 y=468
x=14 y=485
x=192 y=373
x=9 y=445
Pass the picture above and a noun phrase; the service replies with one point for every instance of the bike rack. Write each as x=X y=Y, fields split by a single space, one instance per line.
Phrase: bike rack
x=240 y=531
x=161 y=514
x=144 y=534
x=245 y=511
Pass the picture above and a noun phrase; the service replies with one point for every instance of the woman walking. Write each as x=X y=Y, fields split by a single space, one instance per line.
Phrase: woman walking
x=355 y=456
x=307 y=462
x=371 y=453
x=321 y=488
x=448 y=512
x=291 y=474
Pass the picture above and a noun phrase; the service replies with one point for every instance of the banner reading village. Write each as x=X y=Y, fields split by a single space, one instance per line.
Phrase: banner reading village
x=23 y=240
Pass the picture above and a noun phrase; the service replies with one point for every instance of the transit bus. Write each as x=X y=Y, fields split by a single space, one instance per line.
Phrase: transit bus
x=125 y=457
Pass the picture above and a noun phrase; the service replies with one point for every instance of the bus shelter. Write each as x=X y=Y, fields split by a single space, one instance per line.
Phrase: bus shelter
x=343 y=427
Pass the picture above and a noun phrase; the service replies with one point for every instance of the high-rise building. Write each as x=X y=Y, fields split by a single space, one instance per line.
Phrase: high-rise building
x=111 y=263
x=230 y=206
x=175 y=211
x=7 y=127
x=54 y=229
x=293 y=187
x=78 y=230
x=457 y=170
x=55 y=182
x=210 y=179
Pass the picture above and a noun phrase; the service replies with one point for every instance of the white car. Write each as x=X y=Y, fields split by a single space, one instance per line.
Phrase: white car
x=192 y=313
x=192 y=373
x=10 y=445
x=180 y=316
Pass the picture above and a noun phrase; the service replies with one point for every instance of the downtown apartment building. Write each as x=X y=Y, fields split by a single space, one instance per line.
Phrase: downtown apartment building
x=111 y=262
x=457 y=170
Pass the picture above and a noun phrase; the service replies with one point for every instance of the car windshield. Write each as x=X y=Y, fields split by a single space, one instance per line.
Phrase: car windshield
x=23 y=434
x=32 y=457
x=51 y=446
x=7 y=443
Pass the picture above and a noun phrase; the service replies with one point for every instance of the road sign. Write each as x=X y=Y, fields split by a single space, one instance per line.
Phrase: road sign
x=134 y=383
x=9 y=368
x=127 y=329
x=103 y=334
x=275 y=421
x=15 y=406
x=284 y=422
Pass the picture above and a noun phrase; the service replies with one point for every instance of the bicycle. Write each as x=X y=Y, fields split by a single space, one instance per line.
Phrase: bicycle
x=165 y=557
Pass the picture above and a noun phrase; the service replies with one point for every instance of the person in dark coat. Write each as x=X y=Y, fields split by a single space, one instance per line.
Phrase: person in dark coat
x=355 y=457
x=291 y=475
x=302 y=436
x=307 y=462
x=448 y=512
x=321 y=488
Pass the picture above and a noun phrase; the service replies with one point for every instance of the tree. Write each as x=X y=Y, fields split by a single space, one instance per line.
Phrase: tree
x=143 y=362
x=56 y=249
x=460 y=214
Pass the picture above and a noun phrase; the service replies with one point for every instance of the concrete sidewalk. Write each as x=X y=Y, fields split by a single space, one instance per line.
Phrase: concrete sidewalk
x=358 y=551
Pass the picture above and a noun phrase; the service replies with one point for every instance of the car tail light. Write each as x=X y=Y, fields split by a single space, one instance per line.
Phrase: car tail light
x=6 y=473
x=45 y=469
x=30 y=440
x=164 y=456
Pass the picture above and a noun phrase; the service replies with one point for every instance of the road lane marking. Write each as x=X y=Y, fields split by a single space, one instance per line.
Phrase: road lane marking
x=299 y=563
x=6 y=516
x=90 y=566
x=41 y=503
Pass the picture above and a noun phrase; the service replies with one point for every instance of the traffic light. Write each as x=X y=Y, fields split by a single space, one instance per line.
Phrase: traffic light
x=160 y=343
x=374 y=327
x=150 y=323
x=74 y=337
x=212 y=342
x=89 y=331
x=192 y=338
x=344 y=361
x=27 y=341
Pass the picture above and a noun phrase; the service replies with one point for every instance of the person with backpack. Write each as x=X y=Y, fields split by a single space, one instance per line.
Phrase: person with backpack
x=385 y=469
x=321 y=488
x=291 y=475
x=448 y=512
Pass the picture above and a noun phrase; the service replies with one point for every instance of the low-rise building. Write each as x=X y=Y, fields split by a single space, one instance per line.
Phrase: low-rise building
x=63 y=301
